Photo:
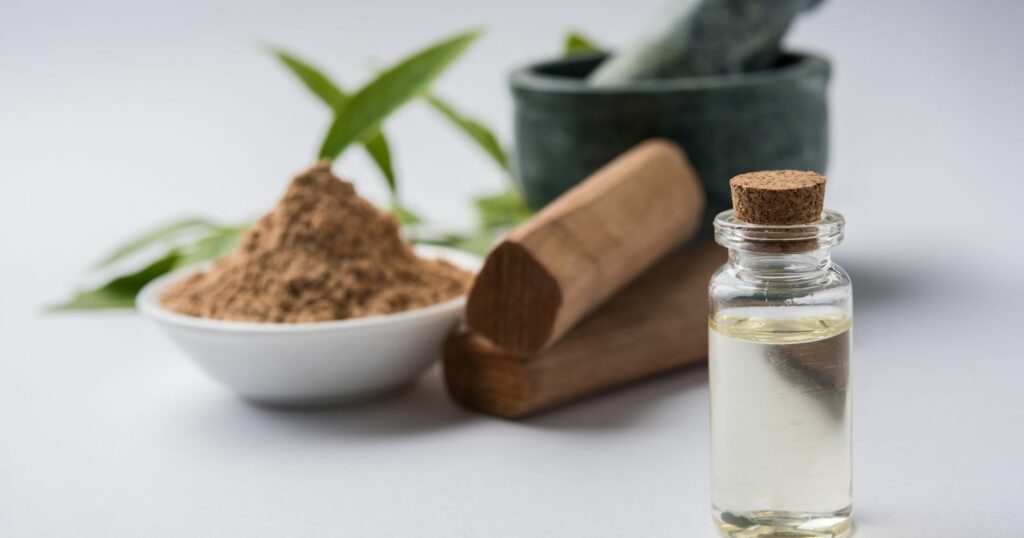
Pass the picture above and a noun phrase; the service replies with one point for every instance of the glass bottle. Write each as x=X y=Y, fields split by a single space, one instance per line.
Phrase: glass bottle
x=779 y=363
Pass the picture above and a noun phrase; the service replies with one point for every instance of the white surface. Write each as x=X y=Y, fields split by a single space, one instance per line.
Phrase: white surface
x=116 y=115
x=301 y=364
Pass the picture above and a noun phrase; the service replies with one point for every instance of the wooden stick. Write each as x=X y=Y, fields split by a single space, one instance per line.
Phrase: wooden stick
x=554 y=269
x=656 y=324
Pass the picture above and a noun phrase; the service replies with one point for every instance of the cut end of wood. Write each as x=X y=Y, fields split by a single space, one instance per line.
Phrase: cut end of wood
x=514 y=300
x=480 y=376
x=656 y=324
x=778 y=197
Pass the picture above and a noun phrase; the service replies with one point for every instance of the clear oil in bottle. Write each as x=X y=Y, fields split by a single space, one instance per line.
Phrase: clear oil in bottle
x=780 y=423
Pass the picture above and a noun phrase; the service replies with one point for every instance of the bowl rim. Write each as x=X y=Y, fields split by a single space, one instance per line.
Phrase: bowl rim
x=148 y=303
x=529 y=78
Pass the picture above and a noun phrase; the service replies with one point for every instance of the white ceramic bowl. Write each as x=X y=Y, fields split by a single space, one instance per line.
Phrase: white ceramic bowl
x=330 y=362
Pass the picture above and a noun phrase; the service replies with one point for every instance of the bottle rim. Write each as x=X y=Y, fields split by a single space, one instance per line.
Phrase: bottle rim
x=736 y=234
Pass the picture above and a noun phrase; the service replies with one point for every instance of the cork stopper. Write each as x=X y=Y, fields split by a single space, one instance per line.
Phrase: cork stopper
x=778 y=197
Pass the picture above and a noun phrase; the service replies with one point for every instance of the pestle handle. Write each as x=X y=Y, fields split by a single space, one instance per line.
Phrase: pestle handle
x=704 y=37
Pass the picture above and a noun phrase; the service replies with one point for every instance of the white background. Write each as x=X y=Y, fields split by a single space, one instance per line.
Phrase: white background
x=119 y=115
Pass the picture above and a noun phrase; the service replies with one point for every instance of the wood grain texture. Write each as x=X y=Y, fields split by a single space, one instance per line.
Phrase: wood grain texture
x=656 y=324
x=554 y=269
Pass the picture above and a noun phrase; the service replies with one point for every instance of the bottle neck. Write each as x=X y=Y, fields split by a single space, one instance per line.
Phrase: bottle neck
x=803 y=266
x=785 y=253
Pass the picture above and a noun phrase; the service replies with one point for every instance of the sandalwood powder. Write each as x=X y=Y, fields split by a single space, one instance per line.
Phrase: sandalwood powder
x=323 y=253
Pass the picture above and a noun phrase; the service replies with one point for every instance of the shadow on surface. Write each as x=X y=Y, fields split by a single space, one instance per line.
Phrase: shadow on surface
x=883 y=283
x=424 y=408
x=420 y=408
x=622 y=406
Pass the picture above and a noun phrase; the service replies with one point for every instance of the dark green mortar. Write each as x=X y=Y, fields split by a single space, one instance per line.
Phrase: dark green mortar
x=728 y=125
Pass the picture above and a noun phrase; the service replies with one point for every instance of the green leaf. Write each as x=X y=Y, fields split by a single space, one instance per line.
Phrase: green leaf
x=333 y=96
x=121 y=291
x=577 y=44
x=213 y=246
x=380 y=151
x=97 y=299
x=404 y=215
x=315 y=81
x=479 y=242
x=475 y=130
x=389 y=91
x=504 y=210
x=165 y=232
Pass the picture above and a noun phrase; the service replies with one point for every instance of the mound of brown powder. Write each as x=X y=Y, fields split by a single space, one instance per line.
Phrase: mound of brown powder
x=322 y=254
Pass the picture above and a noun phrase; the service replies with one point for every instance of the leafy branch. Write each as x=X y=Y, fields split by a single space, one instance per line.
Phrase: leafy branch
x=358 y=119
x=495 y=213
x=363 y=114
x=332 y=95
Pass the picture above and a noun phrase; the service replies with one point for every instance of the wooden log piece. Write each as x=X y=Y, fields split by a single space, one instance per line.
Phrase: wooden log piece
x=656 y=324
x=554 y=269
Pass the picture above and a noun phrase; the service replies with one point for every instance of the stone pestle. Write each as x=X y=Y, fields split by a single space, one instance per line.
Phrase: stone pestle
x=704 y=37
